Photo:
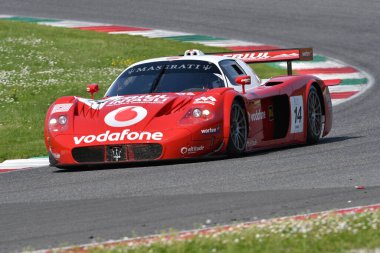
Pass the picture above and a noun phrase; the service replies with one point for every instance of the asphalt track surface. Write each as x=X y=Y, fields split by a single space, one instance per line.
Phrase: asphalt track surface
x=46 y=207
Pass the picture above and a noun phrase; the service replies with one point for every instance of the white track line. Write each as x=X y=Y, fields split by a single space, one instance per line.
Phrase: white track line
x=153 y=33
x=72 y=24
x=227 y=43
x=356 y=75
x=22 y=163
x=313 y=65
x=345 y=88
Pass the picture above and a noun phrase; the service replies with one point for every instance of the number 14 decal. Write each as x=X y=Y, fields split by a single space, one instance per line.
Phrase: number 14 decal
x=298 y=114
x=296 y=103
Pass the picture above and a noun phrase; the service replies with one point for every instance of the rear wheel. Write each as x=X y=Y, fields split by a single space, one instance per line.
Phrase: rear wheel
x=238 y=131
x=314 y=116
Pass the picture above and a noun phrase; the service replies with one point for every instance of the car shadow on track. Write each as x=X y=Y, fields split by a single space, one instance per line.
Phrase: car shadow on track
x=327 y=140
x=131 y=165
x=117 y=166
x=322 y=141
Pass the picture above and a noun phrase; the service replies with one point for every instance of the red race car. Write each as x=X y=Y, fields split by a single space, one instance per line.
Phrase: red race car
x=190 y=106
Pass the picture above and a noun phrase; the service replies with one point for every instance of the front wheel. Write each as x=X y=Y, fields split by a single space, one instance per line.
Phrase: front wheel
x=314 y=116
x=238 y=131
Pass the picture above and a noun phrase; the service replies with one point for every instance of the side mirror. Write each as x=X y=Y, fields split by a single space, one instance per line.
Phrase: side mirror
x=243 y=80
x=92 y=88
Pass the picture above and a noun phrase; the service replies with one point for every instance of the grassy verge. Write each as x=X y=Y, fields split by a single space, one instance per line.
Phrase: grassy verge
x=323 y=234
x=40 y=64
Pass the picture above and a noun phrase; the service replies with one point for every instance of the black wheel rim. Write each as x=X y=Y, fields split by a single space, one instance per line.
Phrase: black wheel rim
x=238 y=128
x=315 y=114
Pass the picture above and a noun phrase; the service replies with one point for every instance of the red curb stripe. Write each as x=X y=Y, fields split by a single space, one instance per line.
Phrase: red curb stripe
x=332 y=82
x=112 y=28
x=343 y=70
x=342 y=95
x=6 y=170
x=249 y=48
x=14 y=169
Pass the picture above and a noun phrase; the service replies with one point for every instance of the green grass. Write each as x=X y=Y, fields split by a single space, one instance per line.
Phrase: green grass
x=40 y=64
x=324 y=234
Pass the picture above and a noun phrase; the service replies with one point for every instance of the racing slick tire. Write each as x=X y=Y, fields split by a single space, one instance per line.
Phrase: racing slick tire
x=314 y=116
x=238 y=130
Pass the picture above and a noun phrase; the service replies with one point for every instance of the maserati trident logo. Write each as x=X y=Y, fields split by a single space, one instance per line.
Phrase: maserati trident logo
x=125 y=116
x=116 y=153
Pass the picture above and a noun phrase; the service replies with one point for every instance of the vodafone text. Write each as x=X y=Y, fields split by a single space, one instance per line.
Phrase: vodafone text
x=119 y=136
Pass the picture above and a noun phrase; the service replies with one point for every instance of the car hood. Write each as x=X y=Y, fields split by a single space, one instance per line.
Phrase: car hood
x=136 y=112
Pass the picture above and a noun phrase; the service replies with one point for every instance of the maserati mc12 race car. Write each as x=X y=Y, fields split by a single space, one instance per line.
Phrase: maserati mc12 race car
x=190 y=106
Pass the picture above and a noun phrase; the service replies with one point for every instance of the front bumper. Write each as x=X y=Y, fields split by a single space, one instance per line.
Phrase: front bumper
x=176 y=144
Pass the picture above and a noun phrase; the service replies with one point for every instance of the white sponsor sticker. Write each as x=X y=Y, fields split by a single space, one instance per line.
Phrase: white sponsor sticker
x=185 y=94
x=296 y=108
x=191 y=150
x=125 y=135
x=142 y=99
x=94 y=104
x=211 y=130
x=205 y=100
x=61 y=108
x=252 y=56
x=125 y=116
x=258 y=115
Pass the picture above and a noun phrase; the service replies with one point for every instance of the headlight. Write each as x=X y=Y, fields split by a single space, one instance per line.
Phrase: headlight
x=206 y=113
x=62 y=120
x=58 y=123
x=53 y=121
x=197 y=113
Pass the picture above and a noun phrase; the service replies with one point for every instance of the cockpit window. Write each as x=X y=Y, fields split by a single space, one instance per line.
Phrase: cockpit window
x=167 y=76
x=231 y=69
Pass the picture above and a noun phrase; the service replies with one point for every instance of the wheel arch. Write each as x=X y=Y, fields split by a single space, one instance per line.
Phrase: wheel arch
x=228 y=101
x=320 y=95
x=318 y=88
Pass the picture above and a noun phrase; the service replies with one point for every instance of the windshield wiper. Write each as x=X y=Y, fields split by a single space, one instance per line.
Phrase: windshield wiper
x=158 y=79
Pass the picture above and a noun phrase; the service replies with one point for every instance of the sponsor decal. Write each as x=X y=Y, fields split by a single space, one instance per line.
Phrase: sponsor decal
x=251 y=143
x=296 y=104
x=255 y=103
x=189 y=66
x=205 y=100
x=94 y=104
x=125 y=116
x=251 y=56
x=125 y=135
x=258 y=115
x=280 y=56
x=306 y=53
x=270 y=112
x=266 y=56
x=143 y=99
x=61 y=108
x=185 y=94
x=211 y=130
x=191 y=150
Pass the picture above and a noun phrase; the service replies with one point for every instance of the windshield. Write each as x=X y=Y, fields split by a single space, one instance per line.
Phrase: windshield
x=167 y=76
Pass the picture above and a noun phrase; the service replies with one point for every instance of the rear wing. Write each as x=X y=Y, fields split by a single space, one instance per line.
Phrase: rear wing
x=272 y=55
